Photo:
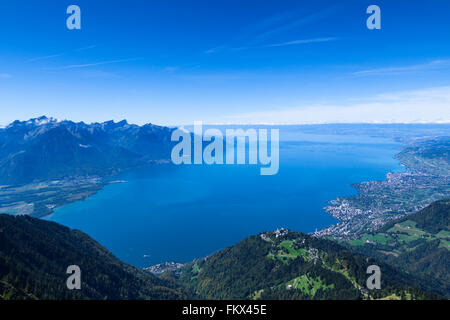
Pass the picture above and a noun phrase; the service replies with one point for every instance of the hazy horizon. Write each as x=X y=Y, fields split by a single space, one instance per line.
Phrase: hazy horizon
x=143 y=122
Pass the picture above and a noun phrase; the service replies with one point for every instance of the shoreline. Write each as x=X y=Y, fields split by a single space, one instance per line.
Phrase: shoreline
x=379 y=202
x=65 y=190
x=53 y=209
x=43 y=198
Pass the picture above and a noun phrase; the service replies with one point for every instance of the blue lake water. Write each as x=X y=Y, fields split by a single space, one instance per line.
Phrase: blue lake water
x=178 y=213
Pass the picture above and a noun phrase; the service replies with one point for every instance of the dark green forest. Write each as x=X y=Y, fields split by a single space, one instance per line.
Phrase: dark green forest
x=417 y=244
x=293 y=266
x=35 y=254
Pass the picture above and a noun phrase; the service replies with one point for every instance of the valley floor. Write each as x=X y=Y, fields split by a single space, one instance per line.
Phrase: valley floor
x=40 y=199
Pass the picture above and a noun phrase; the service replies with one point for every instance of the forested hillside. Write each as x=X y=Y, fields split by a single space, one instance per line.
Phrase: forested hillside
x=418 y=243
x=291 y=265
x=35 y=254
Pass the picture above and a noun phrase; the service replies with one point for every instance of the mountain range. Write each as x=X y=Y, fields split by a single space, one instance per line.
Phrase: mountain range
x=43 y=149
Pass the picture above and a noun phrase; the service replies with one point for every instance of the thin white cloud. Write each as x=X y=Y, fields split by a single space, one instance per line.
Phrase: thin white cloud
x=430 y=105
x=97 y=74
x=255 y=35
x=292 y=25
x=60 y=54
x=87 y=48
x=88 y=65
x=433 y=65
x=214 y=77
x=5 y=76
x=171 y=69
x=303 y=41
x=288 y=43
x=45 y=57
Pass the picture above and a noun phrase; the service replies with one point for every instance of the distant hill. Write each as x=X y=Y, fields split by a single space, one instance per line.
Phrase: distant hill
x=418 y=243
x=42 y=149
x=292 y=265
x=35 y=254
x=429 y=156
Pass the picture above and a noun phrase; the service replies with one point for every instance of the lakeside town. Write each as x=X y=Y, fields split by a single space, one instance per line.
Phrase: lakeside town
x=378 y=202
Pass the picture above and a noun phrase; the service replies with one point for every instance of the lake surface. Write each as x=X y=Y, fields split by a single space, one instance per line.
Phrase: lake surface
x=178 y=213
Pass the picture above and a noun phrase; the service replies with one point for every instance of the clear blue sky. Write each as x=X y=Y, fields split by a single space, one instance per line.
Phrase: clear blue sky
x=253 y=61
